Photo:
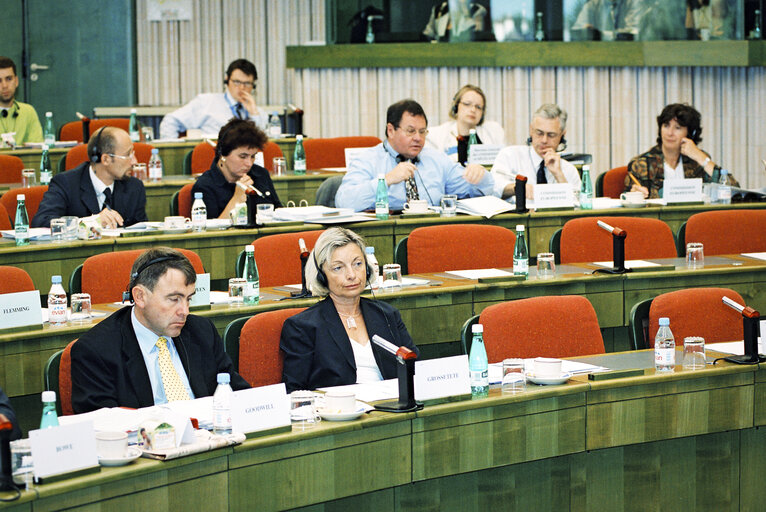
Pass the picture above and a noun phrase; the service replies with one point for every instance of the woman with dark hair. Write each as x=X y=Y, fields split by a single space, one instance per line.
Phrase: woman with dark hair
x=233 y=170
x=676 y=155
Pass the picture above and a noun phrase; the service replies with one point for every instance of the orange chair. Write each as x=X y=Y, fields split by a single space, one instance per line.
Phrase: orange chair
x=271 y=151
x=58 y=378
x=73 y=130
x=5 y=219
x=323 y=153
x=33 y=196
x=614 y=182
x=79 y=154
x=728 y=231
x=185 y=200
x=105 y=276
x=201 y=158
x=10 y=169
x=582 y=240
x=455 y=247
x=278 y=257
x=257 y=346
x=14 y=279
x=555 y=326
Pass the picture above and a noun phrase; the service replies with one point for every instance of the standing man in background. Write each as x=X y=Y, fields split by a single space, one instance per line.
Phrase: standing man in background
x=17 y=117
x=210 y=111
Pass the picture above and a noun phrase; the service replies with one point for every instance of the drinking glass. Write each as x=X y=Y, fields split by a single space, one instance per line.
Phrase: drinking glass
x=22 y=466
x=279 y=166
x=392 y=277
x=71 y=227
x=148 y=132
x=237 y=291
x=139 y=172
x=303 y=412
x=28 y=178
x=694 y=353
x=695 y=256
x=449 y=205
x=514 y=380
x=81 y=307
x=546 y=265
x=264 y=213
x=58 y=229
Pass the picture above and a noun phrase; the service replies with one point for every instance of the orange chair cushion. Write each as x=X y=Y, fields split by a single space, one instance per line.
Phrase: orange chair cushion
x=324 y=153
x=728 y=231
x=14 y=279
x=459 y=247
x=271 y=151
x=697 y=312
x=583 y=241
x=65 y=380
x=10 y=169
x=555 y=326
x=202 y=156
x=5 y=219
x=105 y=276
x=278 y=257
x=32 y=198
x=79 y=154
x=185 y=200
x=73 y=129
x=614 y=181
x=260 y=360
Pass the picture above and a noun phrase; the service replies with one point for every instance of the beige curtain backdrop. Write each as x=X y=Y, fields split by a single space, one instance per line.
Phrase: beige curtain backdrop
x=612 y=111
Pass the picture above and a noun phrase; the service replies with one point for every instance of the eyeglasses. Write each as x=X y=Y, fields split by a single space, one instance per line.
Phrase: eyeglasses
x=124 y=157
x=410 y=131
x=472 y=105
x=551 y=135
x=246 y=85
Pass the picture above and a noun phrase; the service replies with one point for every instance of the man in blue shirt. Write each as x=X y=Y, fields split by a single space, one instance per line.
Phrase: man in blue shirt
x=210 y=111
x=411 y=171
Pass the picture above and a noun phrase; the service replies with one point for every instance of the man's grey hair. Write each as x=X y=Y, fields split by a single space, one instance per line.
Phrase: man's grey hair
x=331 y=239
x=552 y=111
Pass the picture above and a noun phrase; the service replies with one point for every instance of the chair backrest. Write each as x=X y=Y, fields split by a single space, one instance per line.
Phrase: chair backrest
x=14 y=279
x=32 y=198
x=326 y=191
x=58 y=378
x=728 y=231
x=10 y=169
x=459 y=247
x=185 y=200
x=698 y=312
x=73 y=130
x=322 y=153
x=614 y=182
x=5 y=218
x=271 y=151
x=555 y=326
x=278 y=257
x=260 y=360
x=79 y=154
x=201 y=157
x=582 y=240
x=105 y=276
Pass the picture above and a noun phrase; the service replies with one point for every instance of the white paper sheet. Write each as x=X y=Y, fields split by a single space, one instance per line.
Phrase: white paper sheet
x=479 y=273
x=756 y=255
x=628 y=264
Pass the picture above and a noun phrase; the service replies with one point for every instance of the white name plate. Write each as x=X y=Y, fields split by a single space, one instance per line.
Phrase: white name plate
x=483 y=154
x=554 y=195
x=63 y=449
x=682 y=191
x=20 y=309
x=263 y=408
x=440 y=378
x=201 y=296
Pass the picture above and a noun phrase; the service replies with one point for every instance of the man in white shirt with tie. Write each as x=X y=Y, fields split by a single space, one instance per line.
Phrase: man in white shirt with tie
x=539 y=160
x=210 y=111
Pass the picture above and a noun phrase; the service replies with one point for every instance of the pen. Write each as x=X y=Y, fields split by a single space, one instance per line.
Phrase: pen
x=249 y=187
x=635 y=180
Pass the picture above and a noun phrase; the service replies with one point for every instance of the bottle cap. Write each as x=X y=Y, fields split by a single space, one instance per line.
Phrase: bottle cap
x=477 y=328
x=198 y=195
x=223 y=378
x=49 y=114
x=381 y=176
x=49 y=396
x=369 y=250
x=249 y=248
x=724 y=172
x=299 y=137
x=519 y=227
x=21 y=197
x=472 y=131
x=155 y=151
x=664 y=321
x=132 y=111
x=45 y=147
x=56 y=279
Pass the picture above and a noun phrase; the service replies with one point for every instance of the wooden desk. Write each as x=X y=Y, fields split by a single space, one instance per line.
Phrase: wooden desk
x=683 y=441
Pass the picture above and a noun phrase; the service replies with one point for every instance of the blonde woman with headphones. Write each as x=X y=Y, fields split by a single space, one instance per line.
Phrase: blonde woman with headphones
x=468 y=111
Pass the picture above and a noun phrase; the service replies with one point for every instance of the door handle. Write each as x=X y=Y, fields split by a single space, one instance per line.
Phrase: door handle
x=35 y=67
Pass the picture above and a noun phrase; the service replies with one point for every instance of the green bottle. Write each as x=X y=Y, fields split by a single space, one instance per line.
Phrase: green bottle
x=472 y=141
x=586 y=189
x=21 y=225
x=45 y=167
x=299 y=156
x=133 y=129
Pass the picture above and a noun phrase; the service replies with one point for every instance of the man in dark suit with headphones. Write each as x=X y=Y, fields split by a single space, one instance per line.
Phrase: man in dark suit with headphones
x=101 y=186
x=15 y=116
x=155 y=351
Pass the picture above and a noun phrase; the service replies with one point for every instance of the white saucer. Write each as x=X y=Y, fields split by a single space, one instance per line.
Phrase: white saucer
x=131 y=455
x=340 y=416
x=173 y=231
x=546 y=381
x=628 y=204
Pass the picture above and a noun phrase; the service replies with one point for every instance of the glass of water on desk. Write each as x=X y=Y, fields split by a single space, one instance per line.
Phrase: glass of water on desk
x=694 y=353
x=392 y=277
x=81 y=308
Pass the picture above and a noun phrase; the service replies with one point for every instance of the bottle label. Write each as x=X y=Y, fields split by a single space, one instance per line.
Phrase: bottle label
x=45 y=177
x=520 y=266
x=300 y=165
x=252 y=291
x=155 y=171
x=480 y=377
x=724 y=193
x=222 y=419
x=56 y=313
x=664 y=356
x=381 y=210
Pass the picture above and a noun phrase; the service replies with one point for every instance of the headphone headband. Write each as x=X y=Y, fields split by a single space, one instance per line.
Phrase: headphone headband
x=127 y=295
x=95 y=157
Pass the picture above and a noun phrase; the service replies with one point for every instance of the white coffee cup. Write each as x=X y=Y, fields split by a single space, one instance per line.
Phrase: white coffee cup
x=416 y=206
x=547 y=367
x=632 y=197
x=339 y=401
x=177 y=222
x=111 y=445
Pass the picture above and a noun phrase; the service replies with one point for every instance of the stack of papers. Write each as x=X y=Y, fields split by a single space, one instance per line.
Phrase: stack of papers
x=485 y=206
x=35 y=234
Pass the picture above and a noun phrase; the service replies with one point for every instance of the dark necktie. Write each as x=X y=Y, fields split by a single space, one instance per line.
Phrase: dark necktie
x=541 y=179
x=240 y=111
x=108 y=198
x=410 y=187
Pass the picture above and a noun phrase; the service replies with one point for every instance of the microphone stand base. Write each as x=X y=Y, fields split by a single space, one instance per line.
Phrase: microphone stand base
x=300 y=295
x=522 y=210
x=395 y=406
x=745 y=359
x=611 y=271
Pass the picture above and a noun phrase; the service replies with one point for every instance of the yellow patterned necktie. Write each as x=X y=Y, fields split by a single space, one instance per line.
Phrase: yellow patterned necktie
x=171 y=381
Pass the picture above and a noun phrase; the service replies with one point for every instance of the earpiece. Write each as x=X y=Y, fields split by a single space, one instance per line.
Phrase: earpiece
x=127 y=295
x=95 y=157
x=322 y=277
x=529 y=141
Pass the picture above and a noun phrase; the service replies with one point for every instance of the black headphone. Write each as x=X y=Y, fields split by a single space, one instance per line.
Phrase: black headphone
x=14 y=107
x=95 y=156
x=561 y=147
x=127 y=295
x=322 y=277
x=15 y=113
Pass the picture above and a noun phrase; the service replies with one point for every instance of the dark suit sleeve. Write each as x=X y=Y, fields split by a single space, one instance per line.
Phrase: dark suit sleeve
x=53 y=204
x=7 y=411
x=140 y=211
x=297 y=343
x=93 y=379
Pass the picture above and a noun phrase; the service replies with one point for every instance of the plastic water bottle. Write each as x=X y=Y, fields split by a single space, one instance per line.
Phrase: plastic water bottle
x=472 y=141
x=57 y=302
x=135 y=135
x=520 y=253
x=49 y=418
x=275 y=125
x=45 y=167
x=21 y=224
x=373 y=261
x=664 y=347
x=198 y=213
x=250 y=273
x=381 y=198
x=299 y=156
x=49 y=134
x=478 y=364
x=724 y=189
x=222 y=405
x=539 y=32
x=155 y=166
x=586 y=189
